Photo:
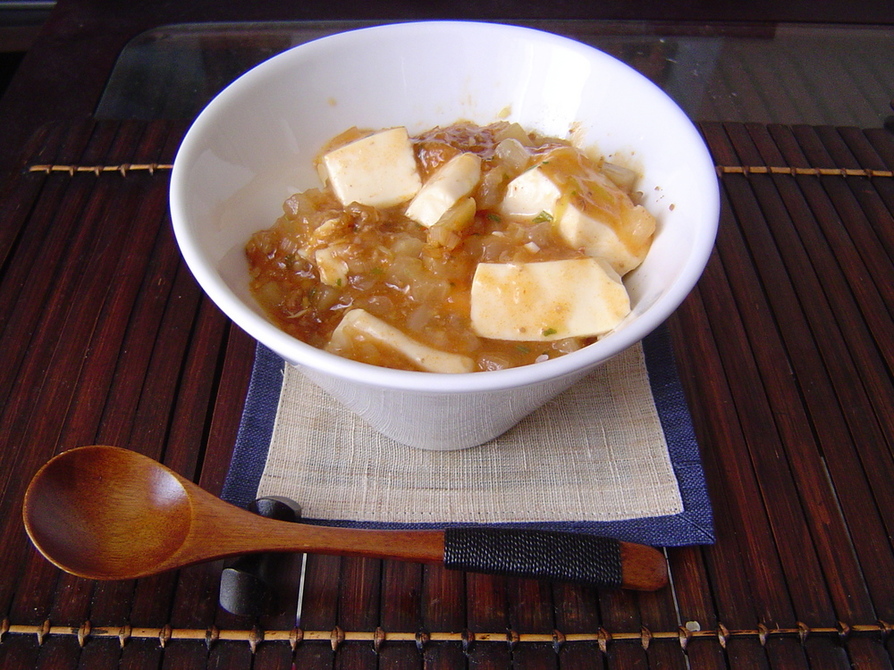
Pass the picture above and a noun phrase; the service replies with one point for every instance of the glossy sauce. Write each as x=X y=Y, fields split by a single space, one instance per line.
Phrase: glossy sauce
x=415 y=278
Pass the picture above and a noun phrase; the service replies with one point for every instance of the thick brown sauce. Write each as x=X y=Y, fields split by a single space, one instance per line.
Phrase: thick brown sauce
x=414 y=278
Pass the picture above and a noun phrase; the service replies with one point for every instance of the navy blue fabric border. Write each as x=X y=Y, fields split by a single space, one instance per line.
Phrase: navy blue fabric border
x=694 y=525
x=255 y=428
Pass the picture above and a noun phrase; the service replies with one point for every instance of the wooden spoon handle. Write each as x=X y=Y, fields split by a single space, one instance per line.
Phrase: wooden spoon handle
x=522 y=552
x=572 y=557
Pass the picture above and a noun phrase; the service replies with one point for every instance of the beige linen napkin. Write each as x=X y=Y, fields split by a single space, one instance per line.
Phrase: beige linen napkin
x=595 y=453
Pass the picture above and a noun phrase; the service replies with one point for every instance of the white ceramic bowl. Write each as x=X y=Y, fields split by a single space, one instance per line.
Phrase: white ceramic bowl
x=253 y=145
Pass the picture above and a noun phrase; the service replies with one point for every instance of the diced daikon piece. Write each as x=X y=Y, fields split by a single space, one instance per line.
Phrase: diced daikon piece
x=450 y=183
x=360 y=324
x=378 y=170
x=551 y=300
x=446 y=232
x=333 y=270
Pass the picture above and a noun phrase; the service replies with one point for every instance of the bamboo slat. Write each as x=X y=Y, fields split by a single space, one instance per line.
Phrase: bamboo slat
x=784 y=350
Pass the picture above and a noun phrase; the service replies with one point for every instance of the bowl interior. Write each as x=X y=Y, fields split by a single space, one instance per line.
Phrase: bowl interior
x=253 y=147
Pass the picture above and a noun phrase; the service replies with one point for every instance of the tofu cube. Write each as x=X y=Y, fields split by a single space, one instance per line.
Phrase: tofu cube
x=601 y=234
x=358 y=324
x=529 y=194
x=378 y=170
x=602 y=240
x=550 y=300
x=450 y=183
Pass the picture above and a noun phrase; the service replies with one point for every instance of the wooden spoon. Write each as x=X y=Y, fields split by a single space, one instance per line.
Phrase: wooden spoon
x=108 y=513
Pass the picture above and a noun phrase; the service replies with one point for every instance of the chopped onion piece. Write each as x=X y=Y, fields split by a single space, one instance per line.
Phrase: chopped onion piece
x=624 y=178
x=515 y=131
x=513 y=155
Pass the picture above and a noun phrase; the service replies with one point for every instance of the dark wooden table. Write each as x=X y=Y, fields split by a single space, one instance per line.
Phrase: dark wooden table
x=785 y=350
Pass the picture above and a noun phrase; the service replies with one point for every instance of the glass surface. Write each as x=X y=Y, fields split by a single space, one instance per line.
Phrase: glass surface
x=788 y=73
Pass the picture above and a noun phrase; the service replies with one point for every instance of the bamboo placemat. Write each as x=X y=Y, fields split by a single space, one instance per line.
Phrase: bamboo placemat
x=784 y=349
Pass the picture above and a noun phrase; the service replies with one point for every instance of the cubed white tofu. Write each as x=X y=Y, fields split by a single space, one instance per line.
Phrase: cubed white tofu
x=450 y=183
x=599 y=239
x=550 y=300
x=378 y=170
x=529 y=194
x=360 y=324
x=533 y=193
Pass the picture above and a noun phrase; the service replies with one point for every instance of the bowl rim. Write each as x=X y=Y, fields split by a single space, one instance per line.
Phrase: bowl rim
x=304 y=355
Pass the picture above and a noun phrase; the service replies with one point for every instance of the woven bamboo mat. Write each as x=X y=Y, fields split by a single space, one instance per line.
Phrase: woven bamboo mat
x=785 y=349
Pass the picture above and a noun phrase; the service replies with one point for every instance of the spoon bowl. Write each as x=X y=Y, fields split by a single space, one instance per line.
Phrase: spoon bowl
x=103 y=512
x=72 y=496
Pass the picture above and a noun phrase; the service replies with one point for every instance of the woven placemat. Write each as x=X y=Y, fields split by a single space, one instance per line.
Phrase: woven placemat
x=613 y=455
